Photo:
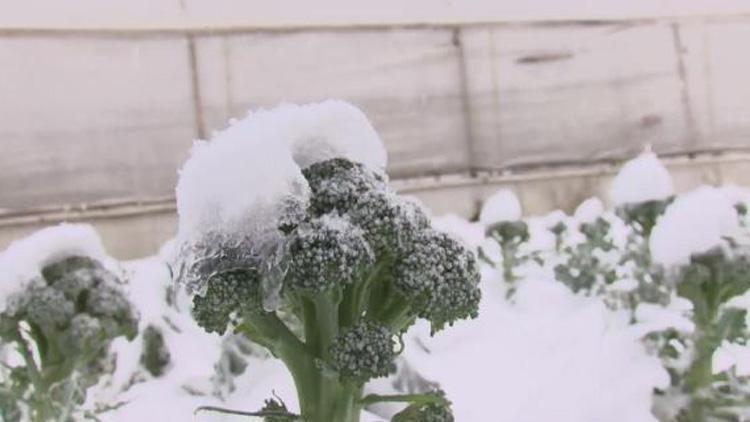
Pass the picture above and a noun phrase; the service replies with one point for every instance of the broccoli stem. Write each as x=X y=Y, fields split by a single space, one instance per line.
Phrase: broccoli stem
x=357 y=295
x=322 y=396
x=320 y=316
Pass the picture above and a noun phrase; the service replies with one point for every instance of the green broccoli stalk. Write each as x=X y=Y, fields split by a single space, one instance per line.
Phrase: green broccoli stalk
x=358 y=267
x=709 y=282
x=62 y=326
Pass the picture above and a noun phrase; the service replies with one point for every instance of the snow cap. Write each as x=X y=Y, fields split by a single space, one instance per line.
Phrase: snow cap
x=695 y=222
x=641 y=179
x=233 y=190
x=501 y=206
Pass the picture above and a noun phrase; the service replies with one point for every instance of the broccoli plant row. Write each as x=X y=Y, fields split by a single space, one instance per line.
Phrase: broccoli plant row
x=593 y=264
x=61 y=326
x=359 y=265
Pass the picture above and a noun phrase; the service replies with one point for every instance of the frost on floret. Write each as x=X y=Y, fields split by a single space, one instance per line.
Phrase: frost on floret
x=336 y=184
x=441 y=276
x=228 y=294
x=364 y=351
x=325 y=252
x=388 y=220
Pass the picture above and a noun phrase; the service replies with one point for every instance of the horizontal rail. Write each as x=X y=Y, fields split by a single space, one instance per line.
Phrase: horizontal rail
x=209 y=29
x=122 y=208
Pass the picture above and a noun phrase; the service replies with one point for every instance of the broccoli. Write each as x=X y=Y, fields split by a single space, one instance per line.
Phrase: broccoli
x=510 y=235
x=358 y=267
x=709 y=282
x=62 y=325
x=643 y=215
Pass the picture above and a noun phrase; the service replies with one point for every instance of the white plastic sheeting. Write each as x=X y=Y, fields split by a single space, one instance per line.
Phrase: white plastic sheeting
x=100 y=114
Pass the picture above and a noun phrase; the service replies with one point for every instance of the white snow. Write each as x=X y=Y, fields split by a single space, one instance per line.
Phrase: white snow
x=235 y=187
x=589 y=210
x=24 y=259
x=643 y=178
x=550 y=356
x=503 y=205
x=695 y=222
x=472 y=234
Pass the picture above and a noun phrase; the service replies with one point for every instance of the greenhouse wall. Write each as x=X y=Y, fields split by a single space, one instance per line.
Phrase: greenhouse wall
x=99 y=127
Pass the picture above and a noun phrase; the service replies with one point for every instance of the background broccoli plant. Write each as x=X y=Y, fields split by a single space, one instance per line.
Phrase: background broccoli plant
x=62 y=325
x=710 y=281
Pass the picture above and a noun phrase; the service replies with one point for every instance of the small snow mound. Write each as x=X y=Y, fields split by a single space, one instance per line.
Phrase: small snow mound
x=589 y=210
x=24 y=259
x=693 y=223
x=502 y=206
x=641 y=179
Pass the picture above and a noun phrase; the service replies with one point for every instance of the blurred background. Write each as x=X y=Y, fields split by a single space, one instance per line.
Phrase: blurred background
x=100 y=101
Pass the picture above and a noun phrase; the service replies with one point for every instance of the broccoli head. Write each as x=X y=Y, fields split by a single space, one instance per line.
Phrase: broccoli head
x=357 y=268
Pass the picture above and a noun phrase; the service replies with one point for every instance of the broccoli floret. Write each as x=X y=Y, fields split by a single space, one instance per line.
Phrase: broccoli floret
x=337 y=184
x=388 y=221
x=47 y=307
x=356 y=270
x=364 y=351
x=228 y=294
x=440 y=278
x=325 y=252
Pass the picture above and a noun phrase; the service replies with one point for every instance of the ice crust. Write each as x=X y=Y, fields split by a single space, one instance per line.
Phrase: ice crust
x=235 y=190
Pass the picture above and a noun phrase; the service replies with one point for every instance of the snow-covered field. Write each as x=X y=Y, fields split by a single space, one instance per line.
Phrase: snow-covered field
x=548 y=345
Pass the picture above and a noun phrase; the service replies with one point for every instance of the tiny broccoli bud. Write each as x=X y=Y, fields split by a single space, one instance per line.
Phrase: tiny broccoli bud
x=364 y=351
x=336 y=184
x=441 y=277
x=228 y=293
x=325 y=252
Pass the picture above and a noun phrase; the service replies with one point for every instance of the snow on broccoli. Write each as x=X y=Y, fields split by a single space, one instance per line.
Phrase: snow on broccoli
x=290 y=235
